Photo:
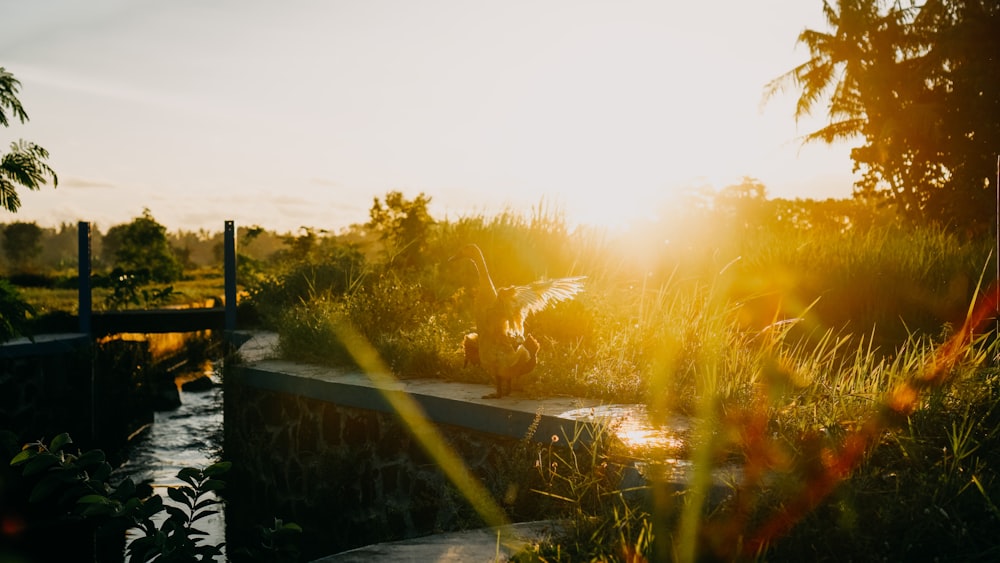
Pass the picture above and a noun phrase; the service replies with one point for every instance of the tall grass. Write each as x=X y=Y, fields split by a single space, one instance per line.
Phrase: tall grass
x=831 y=365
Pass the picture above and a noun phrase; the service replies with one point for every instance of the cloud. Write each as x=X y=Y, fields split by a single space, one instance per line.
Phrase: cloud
x=83 y=183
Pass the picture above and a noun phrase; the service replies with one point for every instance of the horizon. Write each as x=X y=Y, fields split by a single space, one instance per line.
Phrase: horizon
x=300 y=114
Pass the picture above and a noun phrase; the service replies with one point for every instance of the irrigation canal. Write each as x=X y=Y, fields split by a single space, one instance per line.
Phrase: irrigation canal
x=188 y=436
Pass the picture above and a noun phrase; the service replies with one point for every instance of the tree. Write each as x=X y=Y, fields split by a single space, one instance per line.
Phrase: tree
x=402 y=225
x=914 y=83
x=142 y=246
x=25 y=164
x=22 y=245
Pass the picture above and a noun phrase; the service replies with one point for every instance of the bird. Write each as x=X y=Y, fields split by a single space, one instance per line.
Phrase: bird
x=522 y=360
x=503 y=350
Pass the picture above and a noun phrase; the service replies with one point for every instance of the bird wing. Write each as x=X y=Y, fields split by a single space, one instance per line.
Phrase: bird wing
x=519 y=301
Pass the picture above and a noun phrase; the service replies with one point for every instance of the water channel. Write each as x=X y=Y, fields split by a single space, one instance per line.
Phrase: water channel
x=188 y=436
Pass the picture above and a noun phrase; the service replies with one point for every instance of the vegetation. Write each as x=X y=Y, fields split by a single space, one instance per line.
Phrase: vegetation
x=142 y=246
x=825 y=349
x=24 y=165
x=77 y=487
x=819 y=346
x=911 y=80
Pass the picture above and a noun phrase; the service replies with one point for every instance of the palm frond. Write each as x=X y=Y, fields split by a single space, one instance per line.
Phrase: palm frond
x=8 y=98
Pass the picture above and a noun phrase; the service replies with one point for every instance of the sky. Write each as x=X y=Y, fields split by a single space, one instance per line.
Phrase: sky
x=299 y=113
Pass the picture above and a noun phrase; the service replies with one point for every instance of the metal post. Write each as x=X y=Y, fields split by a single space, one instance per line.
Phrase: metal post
x=229 y=259
x=83 y=269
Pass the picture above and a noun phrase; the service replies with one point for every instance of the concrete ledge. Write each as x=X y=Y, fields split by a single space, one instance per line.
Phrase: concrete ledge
x=43 y=345
x=443 y=402
x=484 y=544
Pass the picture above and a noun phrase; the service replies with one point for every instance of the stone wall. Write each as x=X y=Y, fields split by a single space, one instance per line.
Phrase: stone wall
x=45 y=387
x=328 y=452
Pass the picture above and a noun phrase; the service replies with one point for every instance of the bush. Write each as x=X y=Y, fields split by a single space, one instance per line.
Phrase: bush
x=15 y=312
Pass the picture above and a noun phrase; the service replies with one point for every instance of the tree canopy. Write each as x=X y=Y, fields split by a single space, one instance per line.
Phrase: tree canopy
x=25 y=164
x=916 y=84
x=142 y=246
x=22 y=244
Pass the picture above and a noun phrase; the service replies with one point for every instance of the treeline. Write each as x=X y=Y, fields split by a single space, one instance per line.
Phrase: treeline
x=32 y=249
x=29 y=249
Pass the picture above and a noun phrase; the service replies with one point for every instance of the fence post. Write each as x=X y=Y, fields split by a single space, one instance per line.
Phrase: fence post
x=83 y=270
x=229 y=259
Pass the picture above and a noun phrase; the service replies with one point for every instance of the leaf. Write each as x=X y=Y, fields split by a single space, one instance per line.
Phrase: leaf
x=217 y=468
x=152 y=505
x=206 y=502
x=125 y=489
x=60 y=441
x=93 y=499
x=23 y=456
x=40 y=463
x=139 y=547
x=144 y=490
x=101 y=472
x=131 y=506
x=177 y=495
x=90 y=458
x=97 y=509
x=44 y=488
x=189 y=475
x=176 y=514
x=213 y=485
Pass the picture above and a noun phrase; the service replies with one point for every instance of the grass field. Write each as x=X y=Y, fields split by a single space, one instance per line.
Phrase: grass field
x=846 y=363
x=846 y=368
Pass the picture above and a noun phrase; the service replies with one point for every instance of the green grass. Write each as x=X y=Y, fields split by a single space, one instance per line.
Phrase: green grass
x=196 y=288
x=829 y=363
x=787 y=346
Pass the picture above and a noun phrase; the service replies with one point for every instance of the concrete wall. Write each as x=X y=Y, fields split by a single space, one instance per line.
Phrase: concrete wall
x=327 y=451
x=45 y=386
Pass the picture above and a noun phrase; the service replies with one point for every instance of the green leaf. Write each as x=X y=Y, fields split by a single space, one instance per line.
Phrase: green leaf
x=23 y=456
x=93 y=499
x=90 y=458
x=101 y=472
x=96 y=510
x=217 y=468
x=130 y=507
x=48 y=485
x=60 y=441
x=40 y=463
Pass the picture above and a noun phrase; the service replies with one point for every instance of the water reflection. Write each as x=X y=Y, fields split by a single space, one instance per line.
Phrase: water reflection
x=189 y=436
x=633 y=426
x=660 y=450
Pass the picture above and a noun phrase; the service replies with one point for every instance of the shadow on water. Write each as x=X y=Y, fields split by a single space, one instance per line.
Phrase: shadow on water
x=188 y=436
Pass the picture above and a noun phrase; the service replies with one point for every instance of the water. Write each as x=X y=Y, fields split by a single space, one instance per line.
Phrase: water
x=189 y=436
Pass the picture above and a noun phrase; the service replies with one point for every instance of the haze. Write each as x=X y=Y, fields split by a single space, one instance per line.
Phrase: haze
x=299 y=113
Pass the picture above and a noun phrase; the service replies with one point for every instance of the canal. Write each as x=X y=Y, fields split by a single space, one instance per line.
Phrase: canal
x=188 y=436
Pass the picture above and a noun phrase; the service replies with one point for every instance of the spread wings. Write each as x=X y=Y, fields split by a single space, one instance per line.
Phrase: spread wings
x=515 y=303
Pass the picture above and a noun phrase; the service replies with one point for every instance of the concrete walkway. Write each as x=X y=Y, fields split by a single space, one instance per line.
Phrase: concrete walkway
x=480 y=545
